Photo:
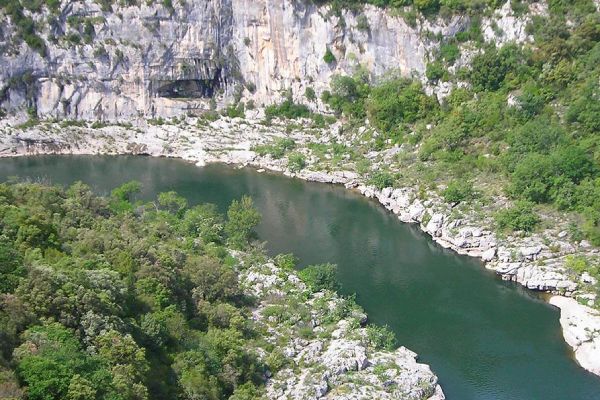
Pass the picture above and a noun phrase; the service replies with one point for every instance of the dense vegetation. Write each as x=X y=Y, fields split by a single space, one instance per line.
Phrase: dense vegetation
x=426 y=6
x=109 y=298
x=529 y=119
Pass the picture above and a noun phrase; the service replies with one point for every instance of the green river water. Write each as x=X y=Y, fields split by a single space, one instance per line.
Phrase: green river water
x=484 y=338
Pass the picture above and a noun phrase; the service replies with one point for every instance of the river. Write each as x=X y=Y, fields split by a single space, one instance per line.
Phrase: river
x=484 y=338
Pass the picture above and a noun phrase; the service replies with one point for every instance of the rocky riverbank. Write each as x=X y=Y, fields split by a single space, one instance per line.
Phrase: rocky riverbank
x=537 y=261
x=338 y=361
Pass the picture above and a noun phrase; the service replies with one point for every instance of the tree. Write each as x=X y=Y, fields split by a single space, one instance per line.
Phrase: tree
x=296 y=162
x=348 y=95
x=381 y=337
x=53 y=366
x=11 y=267
x=434 y=71
x=127 y=362
x=427 y=5
x=396 y=101
x=80 y=389
x=532 y=178
x=488 y=70
x=123 y=196
x=205 y=222
x=242 y=218
x=211 y=280
x=172 y=203
x=196 y=371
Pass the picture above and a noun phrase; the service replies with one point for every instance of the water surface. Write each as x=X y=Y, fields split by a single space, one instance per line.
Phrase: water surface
x=484 y=338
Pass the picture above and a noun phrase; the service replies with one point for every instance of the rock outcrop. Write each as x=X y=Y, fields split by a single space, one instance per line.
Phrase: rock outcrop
x=581 y=329
x=150 y=60
x=334 y=358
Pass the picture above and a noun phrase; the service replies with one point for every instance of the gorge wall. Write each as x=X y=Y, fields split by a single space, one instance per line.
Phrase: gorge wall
x=150 y=60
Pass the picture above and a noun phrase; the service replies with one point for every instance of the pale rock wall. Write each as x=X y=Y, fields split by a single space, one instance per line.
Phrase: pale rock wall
x=274 y=45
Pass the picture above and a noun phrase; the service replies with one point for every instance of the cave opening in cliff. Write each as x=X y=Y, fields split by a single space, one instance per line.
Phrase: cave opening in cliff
x=188 y=88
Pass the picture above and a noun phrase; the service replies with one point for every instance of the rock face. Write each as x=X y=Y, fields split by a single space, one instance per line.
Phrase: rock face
x=581 y=329
x=151 y=60
x=333 y=358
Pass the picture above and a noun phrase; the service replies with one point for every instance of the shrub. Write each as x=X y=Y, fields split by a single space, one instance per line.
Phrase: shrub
x=520 y=217
x=396 y=101
x=381 y=337
x=434 y=71
x=277 y=149
x=100 y=52
x=457 y=191
x=251 y=87
x=449 y=52
x=309 y=93
x=320 y=277
x=122 y=197
x=286 y=261
x=488 y=70
x=577 y=264
x=287 y=109
x=329 y=58
x=427 y=5
x=296 y=162
x=74 y=38
x=235 y=111
x=347 y=96
x=242 y=218
x=362 y=23
x=381 y=179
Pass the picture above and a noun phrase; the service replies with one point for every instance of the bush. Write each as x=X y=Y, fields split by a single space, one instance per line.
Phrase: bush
x=122 y=197
x=309 y=93
x=457 y=191
x=296 y=162
x=579 y=264
x=488 y=70
x=543 y=178
x=398 y=101
x=532 y=178
x=278 y=149
x=362 y=23
x=434 y=71
x=235 y=111
x=287 y=109
x=251 y=87
x=381 y=179
x=348 y=95
x=520 y=217
x=449 y=52
x=242 y=218
x=381 y=337
x=329 y=58
x=320 y=277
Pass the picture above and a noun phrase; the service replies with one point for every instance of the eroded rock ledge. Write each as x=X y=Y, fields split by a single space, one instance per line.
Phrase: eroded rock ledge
x=537 y=261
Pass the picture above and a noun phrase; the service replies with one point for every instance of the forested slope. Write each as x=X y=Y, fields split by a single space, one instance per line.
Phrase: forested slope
x=109 y=298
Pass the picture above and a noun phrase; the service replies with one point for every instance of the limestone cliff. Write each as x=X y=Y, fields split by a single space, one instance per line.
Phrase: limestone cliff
x=150 y=60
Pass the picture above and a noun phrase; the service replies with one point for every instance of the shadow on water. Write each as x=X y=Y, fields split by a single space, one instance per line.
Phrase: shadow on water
x=485 y=338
